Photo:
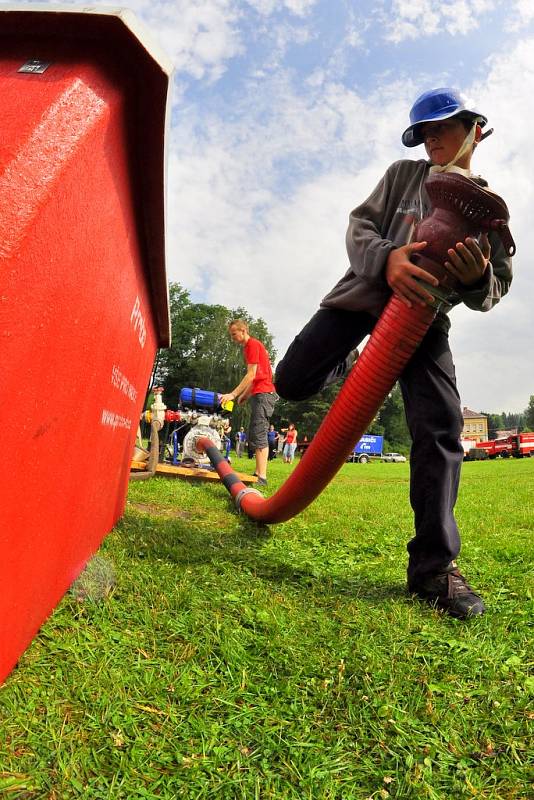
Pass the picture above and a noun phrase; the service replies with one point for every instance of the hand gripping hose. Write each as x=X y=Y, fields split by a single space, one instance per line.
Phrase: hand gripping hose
x=460 y=208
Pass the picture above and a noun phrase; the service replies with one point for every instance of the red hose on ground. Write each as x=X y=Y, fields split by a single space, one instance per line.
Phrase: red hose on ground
x=392 y=343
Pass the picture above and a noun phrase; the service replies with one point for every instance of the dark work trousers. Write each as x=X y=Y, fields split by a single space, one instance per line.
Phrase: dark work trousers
x=433 y=412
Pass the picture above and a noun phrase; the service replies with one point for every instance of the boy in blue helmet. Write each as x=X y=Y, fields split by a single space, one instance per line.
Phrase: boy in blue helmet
x=379 y=248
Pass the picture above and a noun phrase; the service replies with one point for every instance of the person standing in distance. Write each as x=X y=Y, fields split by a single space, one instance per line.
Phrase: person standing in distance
x=258 y=385
x=240 y=442
x=272 y=438
x=290 y=443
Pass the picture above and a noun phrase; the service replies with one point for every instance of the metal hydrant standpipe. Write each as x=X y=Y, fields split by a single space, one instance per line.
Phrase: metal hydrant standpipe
x=461 y=208
x=157 y=420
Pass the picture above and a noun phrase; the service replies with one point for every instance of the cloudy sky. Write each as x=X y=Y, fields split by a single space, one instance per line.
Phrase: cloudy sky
x=285 y=115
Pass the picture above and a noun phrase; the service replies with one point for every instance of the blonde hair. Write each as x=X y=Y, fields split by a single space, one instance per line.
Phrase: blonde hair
x=238 y=323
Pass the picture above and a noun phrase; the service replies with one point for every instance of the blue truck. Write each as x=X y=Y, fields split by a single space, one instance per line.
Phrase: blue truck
x=367 y=447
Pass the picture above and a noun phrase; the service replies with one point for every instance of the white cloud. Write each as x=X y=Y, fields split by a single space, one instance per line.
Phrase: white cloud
x=267 y=7
x=280 y=37
x=412 y=19
x=338 y=64
x=199 y=37
x=521 y=14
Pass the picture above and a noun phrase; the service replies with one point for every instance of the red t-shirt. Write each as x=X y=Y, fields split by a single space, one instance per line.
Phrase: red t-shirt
x=255 y=353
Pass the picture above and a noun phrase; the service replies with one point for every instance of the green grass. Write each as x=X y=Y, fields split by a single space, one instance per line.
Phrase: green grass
x=234 y=661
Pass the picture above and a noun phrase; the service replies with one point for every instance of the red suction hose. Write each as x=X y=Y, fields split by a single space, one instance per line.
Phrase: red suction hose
x=391 y=345
x=461 y=208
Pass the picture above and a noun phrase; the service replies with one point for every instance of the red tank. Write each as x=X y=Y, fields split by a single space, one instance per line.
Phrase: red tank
x=83 y=298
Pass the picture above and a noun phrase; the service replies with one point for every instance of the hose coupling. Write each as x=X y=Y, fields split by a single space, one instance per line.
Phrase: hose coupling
x=240 y=495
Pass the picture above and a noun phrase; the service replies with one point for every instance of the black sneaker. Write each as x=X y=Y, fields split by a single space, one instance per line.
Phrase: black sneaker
x=450 y=592
x=342 y=369
x=261 y=481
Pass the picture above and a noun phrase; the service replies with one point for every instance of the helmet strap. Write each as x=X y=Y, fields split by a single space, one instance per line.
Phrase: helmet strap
x=465 y=147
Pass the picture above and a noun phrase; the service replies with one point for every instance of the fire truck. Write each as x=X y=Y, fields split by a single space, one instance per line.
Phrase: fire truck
x=516 y=445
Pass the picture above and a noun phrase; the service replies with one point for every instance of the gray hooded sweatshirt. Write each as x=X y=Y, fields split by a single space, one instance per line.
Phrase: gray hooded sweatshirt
x=384 y=222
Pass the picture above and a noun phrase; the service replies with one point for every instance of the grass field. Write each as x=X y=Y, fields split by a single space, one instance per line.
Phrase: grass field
x=237 y=662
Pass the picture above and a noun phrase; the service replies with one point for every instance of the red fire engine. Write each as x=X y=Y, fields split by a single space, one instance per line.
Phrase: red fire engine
x=517 y=445
x=524 y=444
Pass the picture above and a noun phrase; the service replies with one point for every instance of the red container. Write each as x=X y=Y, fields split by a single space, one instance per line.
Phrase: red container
x=83 y=292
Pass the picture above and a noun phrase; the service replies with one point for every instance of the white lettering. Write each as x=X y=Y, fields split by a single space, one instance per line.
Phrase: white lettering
x=121 y=382
x=138 y=322
x=112 y=420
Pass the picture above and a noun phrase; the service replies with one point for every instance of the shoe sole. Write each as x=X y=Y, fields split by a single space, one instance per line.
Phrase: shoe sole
x=444 y=608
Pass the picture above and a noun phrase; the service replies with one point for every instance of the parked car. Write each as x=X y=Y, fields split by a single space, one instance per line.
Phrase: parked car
x=393 y=457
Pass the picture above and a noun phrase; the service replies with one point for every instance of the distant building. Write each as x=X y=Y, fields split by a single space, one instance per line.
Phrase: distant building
x=475 y=425
x=506 y=434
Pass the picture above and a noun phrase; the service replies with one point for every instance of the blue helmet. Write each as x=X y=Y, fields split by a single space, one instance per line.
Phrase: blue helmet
x=437 y=104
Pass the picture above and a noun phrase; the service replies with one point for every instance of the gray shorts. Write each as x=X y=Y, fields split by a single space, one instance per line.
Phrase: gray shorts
x=262 y=407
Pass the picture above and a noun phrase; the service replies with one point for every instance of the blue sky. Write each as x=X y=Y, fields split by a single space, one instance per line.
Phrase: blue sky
x=285 y=115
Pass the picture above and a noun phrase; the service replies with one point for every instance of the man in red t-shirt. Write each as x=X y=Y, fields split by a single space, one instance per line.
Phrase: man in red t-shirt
x=258 y=385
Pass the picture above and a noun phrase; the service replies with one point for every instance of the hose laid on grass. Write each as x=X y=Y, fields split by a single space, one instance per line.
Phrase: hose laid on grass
x=392 y=343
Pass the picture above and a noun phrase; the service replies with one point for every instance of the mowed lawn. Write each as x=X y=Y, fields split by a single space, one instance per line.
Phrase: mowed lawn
x=234 y=661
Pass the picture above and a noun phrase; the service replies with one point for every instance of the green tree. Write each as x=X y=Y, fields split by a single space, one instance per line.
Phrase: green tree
x=392 y=419
x=495 y=423
x=307 y=415
x=513 y=420
x=529 y=414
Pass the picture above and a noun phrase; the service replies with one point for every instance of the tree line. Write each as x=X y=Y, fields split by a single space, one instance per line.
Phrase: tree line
x=504 y=422
x=202 y=355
